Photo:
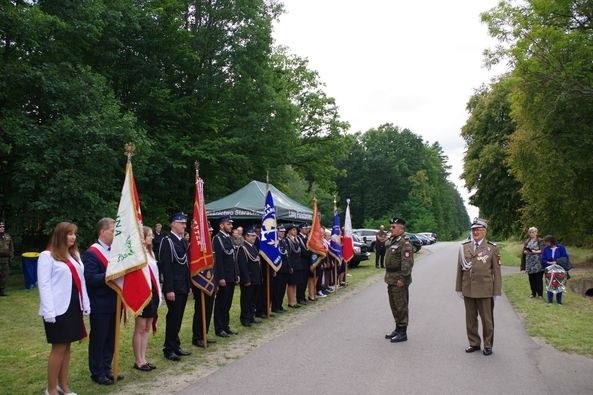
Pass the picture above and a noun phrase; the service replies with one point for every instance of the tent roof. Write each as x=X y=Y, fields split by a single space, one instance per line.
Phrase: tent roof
x=248 y=203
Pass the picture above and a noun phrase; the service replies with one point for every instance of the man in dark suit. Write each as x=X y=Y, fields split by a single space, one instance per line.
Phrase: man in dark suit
x=174 y=264
x=302 y=270
x=227 y=274
x=103 y=304
x=251 y=277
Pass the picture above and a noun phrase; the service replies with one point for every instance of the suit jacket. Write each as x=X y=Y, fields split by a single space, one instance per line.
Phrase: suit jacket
x=305 y=252
x=174 y=264
x=225 y=262
x=483 y=280
x=249 y=264
x=103 y=299
x=54 y=280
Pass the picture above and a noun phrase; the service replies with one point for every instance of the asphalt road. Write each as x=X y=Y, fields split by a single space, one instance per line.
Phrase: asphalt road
x=343 y=350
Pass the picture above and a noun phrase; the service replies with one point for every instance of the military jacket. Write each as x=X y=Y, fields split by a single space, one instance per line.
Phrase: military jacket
x=249 y=264
x=6 y=246
x=483 y=280
x=225 y=259
x=399 y=260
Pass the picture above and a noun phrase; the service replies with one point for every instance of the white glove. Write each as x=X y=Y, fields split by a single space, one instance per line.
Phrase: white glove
x=460 y=294
x=50 y=320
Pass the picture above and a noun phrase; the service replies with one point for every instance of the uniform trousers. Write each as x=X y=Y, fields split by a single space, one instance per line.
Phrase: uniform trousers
x=173 y=320
x=279 y=283
x=197 y=328
x=485 y=308
x=249 y=297
x=262 y=297
x=398 y=301
x=101 y=343
x=222 y=306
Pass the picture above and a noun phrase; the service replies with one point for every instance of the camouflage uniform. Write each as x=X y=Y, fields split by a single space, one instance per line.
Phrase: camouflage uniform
x=399 y=260
x=6 y=255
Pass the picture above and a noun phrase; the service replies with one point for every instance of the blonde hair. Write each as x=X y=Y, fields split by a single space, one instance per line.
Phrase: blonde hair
x=58 y=243
x=146 y=230
x=532 y=229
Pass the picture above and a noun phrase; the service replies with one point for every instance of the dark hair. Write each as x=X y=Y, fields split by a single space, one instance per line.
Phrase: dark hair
x=104 y=223
x=58 y=243
x=550 y=239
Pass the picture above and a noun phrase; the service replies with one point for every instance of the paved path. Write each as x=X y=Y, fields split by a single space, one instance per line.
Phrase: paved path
x=344 y=351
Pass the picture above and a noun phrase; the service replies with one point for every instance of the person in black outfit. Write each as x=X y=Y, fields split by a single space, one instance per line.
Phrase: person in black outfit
x=227 y=274
x=174 y=265
x=158 y=236
x=280 y=278
x=250 y=273
x=302 y=270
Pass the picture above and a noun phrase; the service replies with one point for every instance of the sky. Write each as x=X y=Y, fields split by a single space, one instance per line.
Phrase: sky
x=414 y=64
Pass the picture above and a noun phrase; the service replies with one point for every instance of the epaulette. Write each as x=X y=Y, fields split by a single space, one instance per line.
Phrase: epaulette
x=465 y=242
x=494 y=244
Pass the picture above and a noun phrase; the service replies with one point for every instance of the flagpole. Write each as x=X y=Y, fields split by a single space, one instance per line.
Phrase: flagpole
x=203 y=303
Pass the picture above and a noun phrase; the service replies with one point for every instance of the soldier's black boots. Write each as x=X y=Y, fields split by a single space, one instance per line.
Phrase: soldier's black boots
x=389 y=336
x=400 y=335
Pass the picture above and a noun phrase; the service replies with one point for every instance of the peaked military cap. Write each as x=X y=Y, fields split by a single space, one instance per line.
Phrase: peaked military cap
x=178 y=217
x=397 y=221
x=304 y=226
x=290 y=226
x=479 y=223
x=251 y=231
x=226 y=218
x=281 y=228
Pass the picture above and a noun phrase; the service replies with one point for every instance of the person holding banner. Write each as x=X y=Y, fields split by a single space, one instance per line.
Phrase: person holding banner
x=175 y=266
x=144 y=322
x=280 y=278
x=63 y=301
x=251 y=277
x=103 y=304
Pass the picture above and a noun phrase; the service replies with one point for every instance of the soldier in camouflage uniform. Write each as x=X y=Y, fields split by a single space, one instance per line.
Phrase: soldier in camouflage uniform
x=399 y=260
x=6 y=255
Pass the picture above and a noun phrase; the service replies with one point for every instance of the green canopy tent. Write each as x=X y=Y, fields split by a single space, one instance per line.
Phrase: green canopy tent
x=248 y=203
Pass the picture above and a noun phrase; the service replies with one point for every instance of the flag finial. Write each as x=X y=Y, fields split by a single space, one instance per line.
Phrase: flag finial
x=129 y=150
x=348 y=200
x=197 y=166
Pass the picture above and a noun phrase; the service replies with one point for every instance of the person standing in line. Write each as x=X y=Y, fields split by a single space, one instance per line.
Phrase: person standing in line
x=552 y=254
x=479 y=283
x=145 y=320
x=156 y=241
x=227 y=274
x=280 y=278
x=103 y=303
x=250 y=272
x=531 y=262
x=63 y=301
x=399 y=260
x=302 y=271
x=174 y=264
x=293 y=249
x=380 y=239
x=6 y=257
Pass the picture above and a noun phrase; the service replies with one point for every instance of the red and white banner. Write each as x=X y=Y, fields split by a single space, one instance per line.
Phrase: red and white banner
x=347 y=246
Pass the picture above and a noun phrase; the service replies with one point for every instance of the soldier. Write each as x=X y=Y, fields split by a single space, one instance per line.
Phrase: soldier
x=399 y=260
x=6 y=256
x=174 y=264
x=380 y=239
x=479 y=283
x=227 y=275
x=250 y=273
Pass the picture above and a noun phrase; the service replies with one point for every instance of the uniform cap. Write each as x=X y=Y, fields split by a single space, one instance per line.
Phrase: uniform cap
x=304 y=226
x=226 y=218
x=397 y=221
x=250 y=231
x=281 y=228
x=479 y=223
x=178 y=217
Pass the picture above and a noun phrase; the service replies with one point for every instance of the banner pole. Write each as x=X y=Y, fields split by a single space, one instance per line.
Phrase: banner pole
x=268 y=312
x=117 y=336
x=203 y=303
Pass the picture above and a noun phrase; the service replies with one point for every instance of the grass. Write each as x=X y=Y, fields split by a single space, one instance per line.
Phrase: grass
x=24 y=350
x=510 y=254
x=566 y=327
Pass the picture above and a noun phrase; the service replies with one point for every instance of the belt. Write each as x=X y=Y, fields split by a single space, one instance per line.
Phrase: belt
x=391 y=270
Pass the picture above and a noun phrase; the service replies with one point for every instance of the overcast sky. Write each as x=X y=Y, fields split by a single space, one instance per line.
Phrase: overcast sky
x=414 y=64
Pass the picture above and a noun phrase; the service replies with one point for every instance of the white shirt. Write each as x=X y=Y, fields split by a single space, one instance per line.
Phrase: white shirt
x=54 y=280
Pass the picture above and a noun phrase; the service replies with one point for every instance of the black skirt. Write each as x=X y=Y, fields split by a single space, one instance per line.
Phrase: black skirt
x=151 y=309
x=69 y=326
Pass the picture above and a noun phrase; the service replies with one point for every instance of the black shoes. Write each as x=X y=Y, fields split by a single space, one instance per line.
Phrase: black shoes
x=222 y=334
x=102 y=380
x=294 y=306
x=182 y=353
x=487 y=351
x=230 y=332
x=171 y=356
x=144 y=368
x=400 y=334
x=469 y=349
x=201 y=343
x=389 y=336
x=120 y=377
x=245 y=323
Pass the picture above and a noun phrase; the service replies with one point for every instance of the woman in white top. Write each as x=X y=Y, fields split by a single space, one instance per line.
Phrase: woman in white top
x=145 y=319
x=63 y=301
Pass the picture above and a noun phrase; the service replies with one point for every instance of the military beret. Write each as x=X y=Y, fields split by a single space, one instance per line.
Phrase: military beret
x=226 y=218
x=178 y=217
x=479 y=223
x=397 y=221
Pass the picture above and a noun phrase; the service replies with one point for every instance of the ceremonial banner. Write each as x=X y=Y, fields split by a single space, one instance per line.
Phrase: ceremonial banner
x=201 y=258
x=335 y=245
x=347 y=246
x=315 y=240
x=127 y=271
x=268 y=246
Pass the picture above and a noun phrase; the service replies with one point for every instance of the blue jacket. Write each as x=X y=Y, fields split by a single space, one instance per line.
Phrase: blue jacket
x=103 y=299
x=547 y=256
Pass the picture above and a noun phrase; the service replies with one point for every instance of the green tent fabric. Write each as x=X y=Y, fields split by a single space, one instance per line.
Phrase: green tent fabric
x=248 y=203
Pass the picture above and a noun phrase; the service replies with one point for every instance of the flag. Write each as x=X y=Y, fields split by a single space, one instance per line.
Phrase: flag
x=315 y=240
x=335 y=244
x=268 y=246
x=347 y=246
x=127 y=271
x=201 y=258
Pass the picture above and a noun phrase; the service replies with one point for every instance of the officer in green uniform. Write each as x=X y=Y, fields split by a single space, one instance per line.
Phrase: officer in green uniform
x=399 y=260
x=479 y=284
x=6 y=255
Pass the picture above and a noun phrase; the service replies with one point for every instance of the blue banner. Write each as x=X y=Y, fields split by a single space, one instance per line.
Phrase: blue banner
x=268 y=246
x=335 y=245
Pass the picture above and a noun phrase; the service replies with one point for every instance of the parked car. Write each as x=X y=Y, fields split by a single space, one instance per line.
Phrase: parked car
x=415 y=241
x=432 y=237
x=361 y=251
x=367 y=236
x=425 y=240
